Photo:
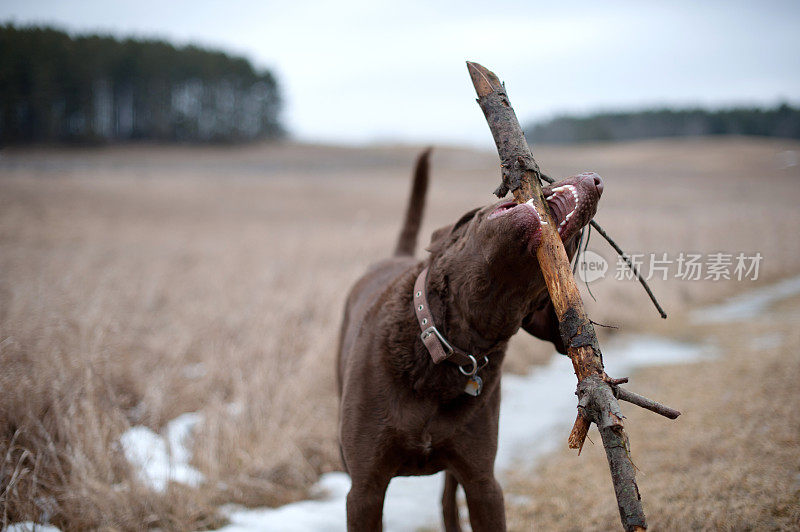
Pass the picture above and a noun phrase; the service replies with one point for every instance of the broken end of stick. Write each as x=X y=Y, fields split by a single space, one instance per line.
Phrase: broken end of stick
x=484 y=80
x=577 y=437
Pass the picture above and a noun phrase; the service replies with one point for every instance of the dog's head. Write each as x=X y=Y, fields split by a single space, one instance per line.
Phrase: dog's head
x=487 y=260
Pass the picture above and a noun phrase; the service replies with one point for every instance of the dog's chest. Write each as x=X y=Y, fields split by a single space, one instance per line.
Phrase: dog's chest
x=425 y=435
x=420 y=456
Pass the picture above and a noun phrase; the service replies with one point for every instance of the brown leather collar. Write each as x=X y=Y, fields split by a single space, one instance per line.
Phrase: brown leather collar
x=436 y=344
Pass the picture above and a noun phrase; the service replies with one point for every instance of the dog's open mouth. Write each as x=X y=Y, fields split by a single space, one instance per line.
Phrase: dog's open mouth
x=563 y=203
x=572 y=202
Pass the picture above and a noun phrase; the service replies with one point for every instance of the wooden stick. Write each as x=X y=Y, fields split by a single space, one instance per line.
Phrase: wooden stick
x=521 y=176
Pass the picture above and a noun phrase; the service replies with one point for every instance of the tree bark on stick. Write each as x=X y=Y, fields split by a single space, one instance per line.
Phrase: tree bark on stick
x=598 y=403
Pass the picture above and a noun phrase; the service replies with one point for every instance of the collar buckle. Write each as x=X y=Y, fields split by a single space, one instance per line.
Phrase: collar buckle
x=432 y=330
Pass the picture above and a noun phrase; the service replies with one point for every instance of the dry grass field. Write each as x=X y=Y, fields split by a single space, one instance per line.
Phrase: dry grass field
x=139 y=283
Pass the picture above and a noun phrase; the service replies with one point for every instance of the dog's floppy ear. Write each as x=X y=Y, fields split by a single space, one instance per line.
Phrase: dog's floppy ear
x=439 y=238
x=442 y=236
x=543 y=324
x=464 y=219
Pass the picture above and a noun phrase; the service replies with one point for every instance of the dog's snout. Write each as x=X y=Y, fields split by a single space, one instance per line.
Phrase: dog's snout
x=594 y=179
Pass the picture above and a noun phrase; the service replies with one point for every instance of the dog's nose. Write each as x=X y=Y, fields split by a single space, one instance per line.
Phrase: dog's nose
x=598 y=184
x=596 y=180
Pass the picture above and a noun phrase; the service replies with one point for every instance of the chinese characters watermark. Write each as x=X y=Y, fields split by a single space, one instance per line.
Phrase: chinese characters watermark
x=716 y=266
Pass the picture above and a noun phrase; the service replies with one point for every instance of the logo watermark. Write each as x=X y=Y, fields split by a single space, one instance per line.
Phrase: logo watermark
x=716 y=266
x=591 y=266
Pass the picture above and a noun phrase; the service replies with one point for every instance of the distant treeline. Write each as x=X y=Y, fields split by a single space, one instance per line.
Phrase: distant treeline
x=781 y=121
x=57 y=88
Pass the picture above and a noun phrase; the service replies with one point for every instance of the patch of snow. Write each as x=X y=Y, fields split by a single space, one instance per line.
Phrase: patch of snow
x=526 y=434
x=30 y=526
x=411 y=503
x=150 y=452
x=325 y=514
x=179 y=433
x=749 y=304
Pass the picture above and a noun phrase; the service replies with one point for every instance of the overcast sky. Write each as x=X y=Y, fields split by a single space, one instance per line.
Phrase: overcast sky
x=374 y=70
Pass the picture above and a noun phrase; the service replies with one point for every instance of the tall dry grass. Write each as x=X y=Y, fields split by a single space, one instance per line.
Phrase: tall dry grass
x=140 y=283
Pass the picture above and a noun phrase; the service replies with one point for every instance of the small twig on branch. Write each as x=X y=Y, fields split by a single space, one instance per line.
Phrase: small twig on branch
x=581 y=426
x=633 y=268
x=603 y=325
x=622 y=254
x=639 y=400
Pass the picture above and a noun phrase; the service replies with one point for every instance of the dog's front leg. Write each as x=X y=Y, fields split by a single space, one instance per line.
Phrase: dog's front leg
x=485 y=502
x=365 y=504
x=487 y=512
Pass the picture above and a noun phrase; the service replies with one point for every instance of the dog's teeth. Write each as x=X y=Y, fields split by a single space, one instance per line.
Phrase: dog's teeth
x=538 y=215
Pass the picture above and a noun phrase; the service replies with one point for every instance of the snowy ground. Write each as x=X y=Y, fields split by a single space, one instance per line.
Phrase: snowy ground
x=749 y=304
x=162 y=459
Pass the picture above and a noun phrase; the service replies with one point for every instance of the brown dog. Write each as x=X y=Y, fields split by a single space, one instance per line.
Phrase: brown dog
x=403 y=410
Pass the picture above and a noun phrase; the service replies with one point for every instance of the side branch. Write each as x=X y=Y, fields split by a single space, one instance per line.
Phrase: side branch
x=633 y=268
x=613 y=244
x=644 y=402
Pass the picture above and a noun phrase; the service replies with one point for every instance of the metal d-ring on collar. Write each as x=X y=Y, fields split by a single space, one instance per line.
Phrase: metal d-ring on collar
x=475 y=367
x=436 y=344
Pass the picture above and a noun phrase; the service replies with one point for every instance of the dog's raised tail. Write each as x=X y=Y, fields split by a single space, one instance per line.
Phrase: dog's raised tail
x=407 y=243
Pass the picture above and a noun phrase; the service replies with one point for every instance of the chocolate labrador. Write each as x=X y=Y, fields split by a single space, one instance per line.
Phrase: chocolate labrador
x=422 y=345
